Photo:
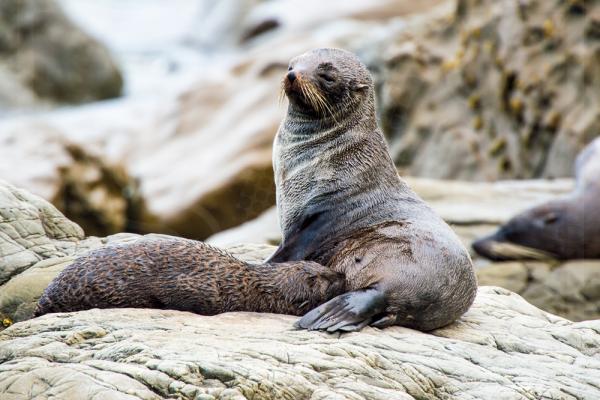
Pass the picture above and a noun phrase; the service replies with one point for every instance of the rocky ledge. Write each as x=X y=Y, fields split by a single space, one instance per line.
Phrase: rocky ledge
x=503 y=348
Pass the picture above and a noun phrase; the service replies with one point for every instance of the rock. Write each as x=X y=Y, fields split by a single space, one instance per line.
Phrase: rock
x=32 y=230
x=45 y=57
x=263 y=229
x=496 y=89
x=208 y=171
x=571 y=289
x=95 y=193
x=509 y=275
x=36 y=243
x=472 y=203
x=154 y=354
x=281 y=16
x=240 y=24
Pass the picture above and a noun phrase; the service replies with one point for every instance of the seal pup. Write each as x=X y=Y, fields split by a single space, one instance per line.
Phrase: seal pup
x=341 y=203
x=563 y=229
x=186 y=275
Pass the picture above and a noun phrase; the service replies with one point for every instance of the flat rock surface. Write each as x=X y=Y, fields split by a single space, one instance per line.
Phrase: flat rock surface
x=503 y=348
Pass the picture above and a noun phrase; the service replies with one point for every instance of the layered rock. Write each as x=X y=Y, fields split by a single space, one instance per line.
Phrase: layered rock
x=502 y=348
x=570 y=289
x=498 y=89
x=96 y=193
x=46 y=58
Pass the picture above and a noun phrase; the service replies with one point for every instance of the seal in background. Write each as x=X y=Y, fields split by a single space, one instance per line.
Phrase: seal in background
x=565 y=228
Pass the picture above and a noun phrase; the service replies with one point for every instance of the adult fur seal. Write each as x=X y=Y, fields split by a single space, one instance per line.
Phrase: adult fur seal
x=565 y=228
x=349 y=224
x=342 y=204
x=186 y=275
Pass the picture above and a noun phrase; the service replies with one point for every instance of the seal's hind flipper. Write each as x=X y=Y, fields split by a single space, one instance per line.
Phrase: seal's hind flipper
x=347 y=312
x=385 y=321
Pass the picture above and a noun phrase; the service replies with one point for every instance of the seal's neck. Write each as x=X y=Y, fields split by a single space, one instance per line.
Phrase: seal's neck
x=304 y=124
x=332 y=176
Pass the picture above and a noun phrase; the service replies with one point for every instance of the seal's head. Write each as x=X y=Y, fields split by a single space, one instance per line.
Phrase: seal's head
x=325 y=82
x=538 y=233
x=565 y=228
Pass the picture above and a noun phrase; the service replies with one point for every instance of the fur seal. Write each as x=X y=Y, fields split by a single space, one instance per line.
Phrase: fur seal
x=186 y=275
x=563 y=229
x=353 y=231
x=341 y=203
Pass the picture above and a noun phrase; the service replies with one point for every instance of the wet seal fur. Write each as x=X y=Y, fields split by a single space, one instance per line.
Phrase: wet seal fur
x=563 y=229
x=353 y=231
x=342 y=204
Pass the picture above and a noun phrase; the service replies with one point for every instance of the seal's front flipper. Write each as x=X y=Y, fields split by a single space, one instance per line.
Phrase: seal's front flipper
x=347 y=312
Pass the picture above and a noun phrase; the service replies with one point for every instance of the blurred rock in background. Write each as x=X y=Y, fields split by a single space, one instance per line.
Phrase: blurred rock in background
x=45 y=58
x=496 y=89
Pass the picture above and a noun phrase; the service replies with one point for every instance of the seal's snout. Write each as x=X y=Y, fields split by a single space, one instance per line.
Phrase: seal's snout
x=291 y=80
x=481 y=247
x=291 y=76
x=488 y=246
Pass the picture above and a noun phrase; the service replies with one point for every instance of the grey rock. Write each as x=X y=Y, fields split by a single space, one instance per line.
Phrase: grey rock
x=571 y=289
x=31 y=230
x=503 y=348
x=44 y=58
x=492 y=90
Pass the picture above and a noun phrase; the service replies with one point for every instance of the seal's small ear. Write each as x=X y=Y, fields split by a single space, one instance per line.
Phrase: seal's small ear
x=550 y=218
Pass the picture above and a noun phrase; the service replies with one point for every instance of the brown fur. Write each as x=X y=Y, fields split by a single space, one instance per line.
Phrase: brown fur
x=187 y=275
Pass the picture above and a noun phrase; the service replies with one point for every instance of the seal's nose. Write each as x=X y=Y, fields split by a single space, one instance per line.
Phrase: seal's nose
x=291 y=76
